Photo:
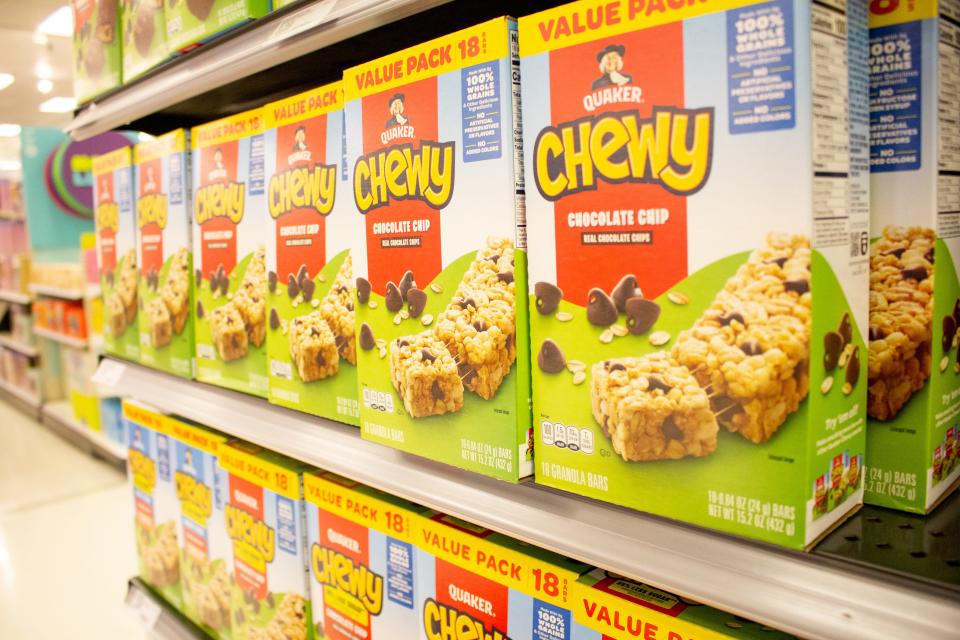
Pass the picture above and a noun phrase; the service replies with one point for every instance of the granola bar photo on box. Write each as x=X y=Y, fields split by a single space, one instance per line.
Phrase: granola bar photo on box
x=164 y=253
x=311 y=334
x=442 y=357
x=116 y=225
x=230 y=273
x=913 y=367
x=698 y=299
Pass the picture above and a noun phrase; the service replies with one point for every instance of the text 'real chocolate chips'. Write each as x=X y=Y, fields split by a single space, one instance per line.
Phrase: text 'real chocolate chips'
x=548 y=297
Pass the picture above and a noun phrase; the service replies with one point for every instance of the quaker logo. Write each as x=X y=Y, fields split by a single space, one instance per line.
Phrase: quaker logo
x=300 y=152
x=614 y=86
x=150 y=181
x=219 y=171
x=104 y=192
x=398 y=126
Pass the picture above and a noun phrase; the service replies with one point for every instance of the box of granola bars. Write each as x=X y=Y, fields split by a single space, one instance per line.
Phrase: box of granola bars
x=432 y=137
x=606 y=606
x=150 y=471
x=698 y=295
x=229 y=225
x=265 y=523
x=201 y=487
x=311 y=348
x=164 y=255
x=97 y=64
x=116 y=227
x=914 y=364
x=363 y=560
x=477 y=583
x=144 y=36
x=192 y=22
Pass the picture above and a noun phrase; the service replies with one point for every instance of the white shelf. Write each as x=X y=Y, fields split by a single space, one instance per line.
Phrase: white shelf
x=801 y=593
x=62 y=338
x=91 y=291
x=267 y=43
x=60 y=414
x=14 y=296
x=15 y=345
x=24 y=399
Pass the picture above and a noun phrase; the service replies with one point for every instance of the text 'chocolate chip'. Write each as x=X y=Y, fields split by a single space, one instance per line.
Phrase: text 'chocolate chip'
x=550 y=358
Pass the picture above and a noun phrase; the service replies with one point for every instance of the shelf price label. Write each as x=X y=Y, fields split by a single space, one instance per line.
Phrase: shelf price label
x=144 y=608
x=108 y=373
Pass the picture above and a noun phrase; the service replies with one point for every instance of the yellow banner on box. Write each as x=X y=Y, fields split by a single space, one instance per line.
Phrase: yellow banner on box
x=197 y=437
x=343 y=500
x=304 y=106
x=111 y=161
x=482 y=43
x=588 y=20
x=161 y=146
x=147 y=418
x=886 y=12
x=250 y=466
x=228 y=129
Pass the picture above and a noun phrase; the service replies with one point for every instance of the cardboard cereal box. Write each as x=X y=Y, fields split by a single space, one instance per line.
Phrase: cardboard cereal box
x=144 y=36
x=193 y=22
x=311 y=348
x=698 y=209
x=96 y=48
x=914 y=364
x=117 y=250
x=229 y=229
x=265 y=522
x=432 y=133
x=480 y=584
x=201 y=486
x=150 y=470
x=610 y=607
x=363 y=560
x=164 y=255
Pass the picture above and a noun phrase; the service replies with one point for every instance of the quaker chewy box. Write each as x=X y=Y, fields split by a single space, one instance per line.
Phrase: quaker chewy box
x=914 y=364
x=201 y=486
x=698 y=295
x=115 y=220
x=442 y=358
x=144 y=36
x=229 y=225
x=150 y=469
x=475 y=583
x=96 y=48
x=162 y=179
x=265 y=522
x=363 y=560
x=311 y=349
x=193 y=22
x=606 y=606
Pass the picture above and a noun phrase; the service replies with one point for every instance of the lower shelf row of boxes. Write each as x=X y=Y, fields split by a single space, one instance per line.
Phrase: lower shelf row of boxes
x=251 y=544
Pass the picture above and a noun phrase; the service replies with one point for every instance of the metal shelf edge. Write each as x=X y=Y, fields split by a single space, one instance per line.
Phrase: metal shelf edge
x=56 y=336
x=159 y=618
x=14 y=296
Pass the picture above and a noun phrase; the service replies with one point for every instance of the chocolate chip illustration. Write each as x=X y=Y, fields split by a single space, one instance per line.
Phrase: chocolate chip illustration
x=626 y=288
x=200 y=8
x=896 y=253
x=832 y=346
x=367 y=341
x=949 y=329
x=224 y=285
x=292 y=287
x=845 y=329
x=214 y=281
x=642 y=314
x=751 y=347
x=406 y=283
x=548 y=297
x=269 y=599
x=394 y=299
x=427 y=356
x=256 y=606
x=272 y=281
x=436 y=391
x=929 y=255
x=550 y=358
x=853 y=368
x=239 y=616
x=363 y=290
x=302 y=273
x=505 y=277
x=670 y=430
x=274 y=319
x=199 y=309
x=797 y=286
x=416 y=301
x=308 y=287
x=917 y=273
x=601 y=311
x=730 y=316
x=956 y=312
x=656 y=382
x=143 y=29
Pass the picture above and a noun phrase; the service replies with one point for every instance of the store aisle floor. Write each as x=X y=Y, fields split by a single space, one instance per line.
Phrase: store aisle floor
x=66 y=547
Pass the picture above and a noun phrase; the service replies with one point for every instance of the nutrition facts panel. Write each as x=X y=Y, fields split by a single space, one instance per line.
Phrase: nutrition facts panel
x=948 y=157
